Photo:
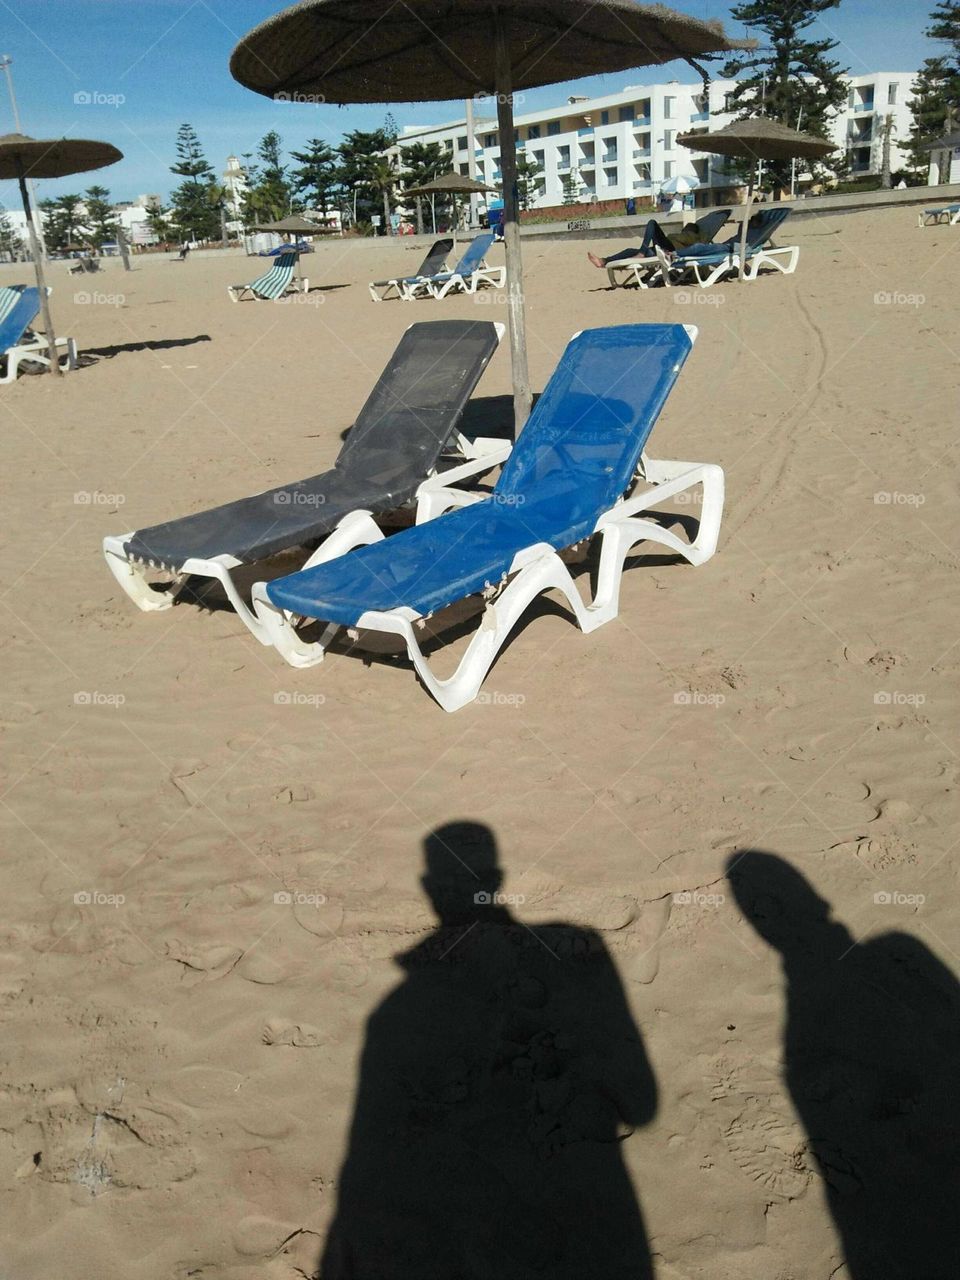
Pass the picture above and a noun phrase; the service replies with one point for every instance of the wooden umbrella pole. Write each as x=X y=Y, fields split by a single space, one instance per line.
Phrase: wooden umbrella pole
x=38 y=270
x=743 y=229
x=522 y=398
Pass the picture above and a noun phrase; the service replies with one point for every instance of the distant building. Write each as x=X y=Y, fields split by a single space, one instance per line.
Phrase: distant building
x=234 y=179
x=623 y=145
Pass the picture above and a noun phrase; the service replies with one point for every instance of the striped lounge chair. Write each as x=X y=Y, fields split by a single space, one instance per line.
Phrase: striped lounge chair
x=274 y=284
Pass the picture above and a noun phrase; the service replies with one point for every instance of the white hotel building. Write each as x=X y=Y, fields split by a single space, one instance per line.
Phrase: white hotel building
x=624 y=145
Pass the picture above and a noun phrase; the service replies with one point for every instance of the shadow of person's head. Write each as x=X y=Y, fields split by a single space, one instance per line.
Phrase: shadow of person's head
x=779 y=902
x=462 y=876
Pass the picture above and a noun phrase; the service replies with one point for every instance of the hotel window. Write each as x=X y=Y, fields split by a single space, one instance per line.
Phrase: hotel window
x=604 y=117
x=490 y=140
x=609 y=177
x=627 y=114
x=533 y=131
x=892 y=95
x=610 y=149
x=668 y=108
x=668 y=139
x=537 y=158
x=553 y=128
x=668 y=168
x=462 y=143
x=563 y=157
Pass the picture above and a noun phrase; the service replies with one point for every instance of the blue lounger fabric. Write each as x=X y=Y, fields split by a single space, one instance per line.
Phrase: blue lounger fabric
x=576 y=456
x=470 y=261
x=19 y=316
x=759 y=230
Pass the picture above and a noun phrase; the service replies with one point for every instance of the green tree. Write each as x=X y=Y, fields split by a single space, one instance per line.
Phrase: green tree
x=936 y=91
x=193 y=212
x=316 y=180
x=10 y=240
x=359 y=151
x=62 y=224
x=570 y=188
x=421 y=162
x=383 y=179
x=158 y=220
x=100 y=219
x=268 y=197
x=529 y=180
x=789 y=77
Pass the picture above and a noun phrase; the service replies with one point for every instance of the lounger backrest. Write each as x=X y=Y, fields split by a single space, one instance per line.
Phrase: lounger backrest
x=278 y=277
x=9 y=297
x=418 y=401
x=710 y=224
x=474 y=255
x=19 y=319
x=434 y=262
x=759 y=230
x=582 y=443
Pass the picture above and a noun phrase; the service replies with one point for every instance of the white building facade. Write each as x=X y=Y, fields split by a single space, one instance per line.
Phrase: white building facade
x=624 y=145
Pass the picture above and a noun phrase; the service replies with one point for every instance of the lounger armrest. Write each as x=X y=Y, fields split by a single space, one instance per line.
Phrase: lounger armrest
x=437 y=494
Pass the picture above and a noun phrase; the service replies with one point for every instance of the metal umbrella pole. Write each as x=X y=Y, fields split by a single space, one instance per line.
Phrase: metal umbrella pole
x=38 y=269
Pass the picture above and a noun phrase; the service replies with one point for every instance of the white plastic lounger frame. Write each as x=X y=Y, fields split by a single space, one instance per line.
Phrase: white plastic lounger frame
x=950 y=212
x=356 y=529
x=639 y=271
x=783 y=260
x=536 y=569
x=34 y=349
x=496 y=277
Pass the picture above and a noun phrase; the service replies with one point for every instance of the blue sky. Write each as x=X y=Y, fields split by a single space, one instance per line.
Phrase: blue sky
x=167 y=60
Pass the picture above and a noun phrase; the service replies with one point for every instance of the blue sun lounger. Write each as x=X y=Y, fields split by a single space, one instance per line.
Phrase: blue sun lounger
x=19 y=307
x=274 y=283
x=466 y=277
x=711 y=262
x=571 y=475
x=433 y=263
x=949 y=214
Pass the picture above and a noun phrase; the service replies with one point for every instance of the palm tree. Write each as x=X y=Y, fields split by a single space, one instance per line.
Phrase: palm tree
x=383 y=178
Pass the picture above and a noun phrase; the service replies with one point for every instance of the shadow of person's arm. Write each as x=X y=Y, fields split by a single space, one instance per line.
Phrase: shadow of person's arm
x=627 y=1072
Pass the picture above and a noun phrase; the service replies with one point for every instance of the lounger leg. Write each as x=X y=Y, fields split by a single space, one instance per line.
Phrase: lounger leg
x=281 y=632
x=133 y=579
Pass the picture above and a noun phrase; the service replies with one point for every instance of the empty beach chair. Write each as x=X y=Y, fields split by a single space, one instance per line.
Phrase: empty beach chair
x=642 y=268
x=278 y=281
x=392 y=457
x=949 y=213
x=432 y=265
x=466 y=277
x=577 y=469
x=19 y=307
x=709 y=263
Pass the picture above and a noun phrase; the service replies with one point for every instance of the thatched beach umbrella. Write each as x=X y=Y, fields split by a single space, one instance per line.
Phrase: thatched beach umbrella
x=434 y=50
x=21 y=158
x=295 y=224
x=757 y=138
x=454 y=184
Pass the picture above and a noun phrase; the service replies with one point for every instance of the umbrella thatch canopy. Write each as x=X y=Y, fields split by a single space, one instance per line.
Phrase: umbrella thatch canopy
x=21 y=158
x=295 y=224
x=950 y=142
x=453 y=184
x=431 y=50
x=756 y=138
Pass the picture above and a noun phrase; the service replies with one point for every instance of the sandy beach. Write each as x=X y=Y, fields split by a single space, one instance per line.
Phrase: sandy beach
x=183 y=1041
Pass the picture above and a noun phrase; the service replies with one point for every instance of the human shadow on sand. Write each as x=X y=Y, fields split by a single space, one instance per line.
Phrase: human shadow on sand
x=149 y=344
x=872 y=1063
x=497 y=1083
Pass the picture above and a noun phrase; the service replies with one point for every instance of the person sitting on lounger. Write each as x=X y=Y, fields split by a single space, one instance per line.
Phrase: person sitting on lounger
x=654 y=234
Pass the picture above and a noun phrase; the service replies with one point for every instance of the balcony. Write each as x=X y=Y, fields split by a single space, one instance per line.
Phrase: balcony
x=563 y=166
x=582 y=133
x=642 y=184
x=588 y=162
x=700 y=116
x=866 y=105
x=641 y=153
x=642 y=122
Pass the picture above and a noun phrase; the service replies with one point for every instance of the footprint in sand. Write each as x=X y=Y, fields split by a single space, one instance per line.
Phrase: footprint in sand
x=758 y=1127
x=299 y=1035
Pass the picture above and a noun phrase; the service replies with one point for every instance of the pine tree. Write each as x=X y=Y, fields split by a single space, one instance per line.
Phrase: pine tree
x=268 y=197
x=62 y=223
x=158 y=220
x=193 y=212
x=100 y=219
x=529 y=175
x=791 y=78
x=936 y=91
x=10 y=241
x=423 y=161
x=358 y=153
x=316 y=180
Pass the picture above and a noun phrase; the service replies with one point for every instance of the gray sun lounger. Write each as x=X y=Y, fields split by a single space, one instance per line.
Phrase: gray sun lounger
x=432 y=265
x=404 y=444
